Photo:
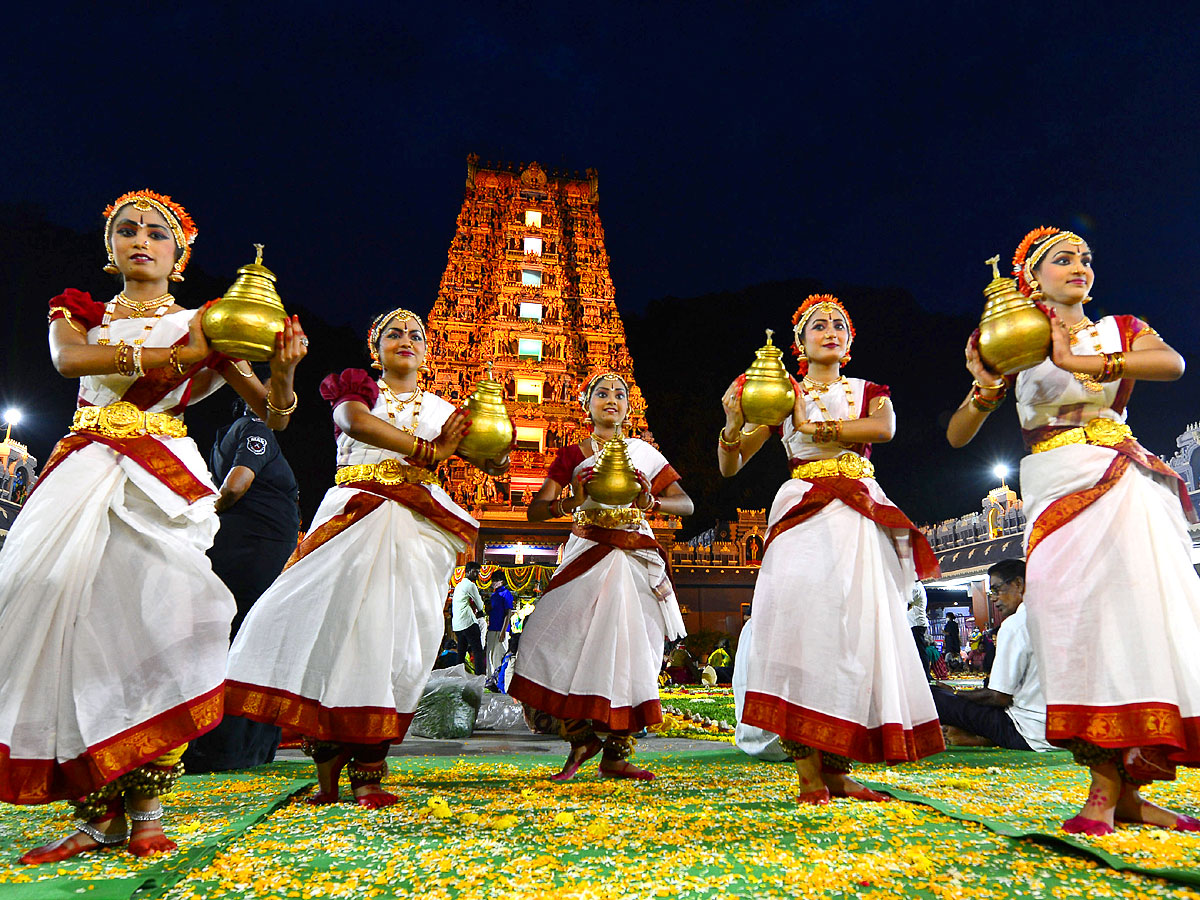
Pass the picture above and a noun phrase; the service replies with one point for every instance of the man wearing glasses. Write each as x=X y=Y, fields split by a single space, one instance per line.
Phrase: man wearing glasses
x=1011 y=711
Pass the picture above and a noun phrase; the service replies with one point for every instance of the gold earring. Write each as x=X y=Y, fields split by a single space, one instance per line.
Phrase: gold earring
x=111 y=266
x=1087 y=299
x=845 y=359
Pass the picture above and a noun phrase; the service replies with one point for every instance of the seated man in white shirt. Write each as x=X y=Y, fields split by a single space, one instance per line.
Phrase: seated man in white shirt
x=1011 y=711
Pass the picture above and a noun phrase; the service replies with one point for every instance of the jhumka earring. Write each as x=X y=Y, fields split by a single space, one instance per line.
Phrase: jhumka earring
x=845 y=359
x=111 y=266
x=1035 y=292
x=1087 y=299
x=426 y=373
x=176 y=274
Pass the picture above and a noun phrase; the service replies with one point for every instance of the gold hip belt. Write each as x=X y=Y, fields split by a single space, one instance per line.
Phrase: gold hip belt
x=609 y=518
x=389 y=471
x=124 y=420
x=1100 y=432
x=848 y=465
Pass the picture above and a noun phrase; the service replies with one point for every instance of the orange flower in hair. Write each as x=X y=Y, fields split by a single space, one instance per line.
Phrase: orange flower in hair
x=1032 y=249
x=178 y=220
x=800 y=318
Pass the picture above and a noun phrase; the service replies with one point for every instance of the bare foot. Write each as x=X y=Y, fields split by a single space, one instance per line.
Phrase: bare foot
x=372 y=796
x=580 y=753
x=844 y=786
x=619 y=768
x=1133 y=807
x=77 y=842
x=329 y=773
x=148 y=837
x=1096 y=817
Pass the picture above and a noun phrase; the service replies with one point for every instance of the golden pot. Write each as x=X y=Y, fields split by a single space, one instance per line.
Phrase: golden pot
x=244 y=322
x=614 y=481
x=491 y=431
x=768 y=395
x=1013 y=333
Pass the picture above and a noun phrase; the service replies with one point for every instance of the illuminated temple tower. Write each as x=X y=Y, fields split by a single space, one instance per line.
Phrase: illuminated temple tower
x=526 y=288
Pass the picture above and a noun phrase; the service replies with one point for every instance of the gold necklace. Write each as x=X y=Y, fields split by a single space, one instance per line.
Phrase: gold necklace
x=142 y=308
x=166 y=301
x=815 y=389
x=1089 y=383
x=395 y=406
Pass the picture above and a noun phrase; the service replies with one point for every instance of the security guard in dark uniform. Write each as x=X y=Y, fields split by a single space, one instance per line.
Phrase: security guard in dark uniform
x=260 y=520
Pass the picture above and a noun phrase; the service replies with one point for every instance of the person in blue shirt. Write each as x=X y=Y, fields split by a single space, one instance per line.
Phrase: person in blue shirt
x=500 y=607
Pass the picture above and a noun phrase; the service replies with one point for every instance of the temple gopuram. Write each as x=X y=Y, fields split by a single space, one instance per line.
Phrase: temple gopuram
x=527 y=291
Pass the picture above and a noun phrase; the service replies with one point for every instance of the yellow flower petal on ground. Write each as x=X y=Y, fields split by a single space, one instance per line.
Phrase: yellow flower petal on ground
x=564 y=818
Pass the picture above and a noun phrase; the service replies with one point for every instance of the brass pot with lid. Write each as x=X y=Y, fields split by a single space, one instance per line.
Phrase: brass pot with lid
x=614 y=481
x=1013 y=333
x=244 y=322
x=491 y=431
x=768 y=395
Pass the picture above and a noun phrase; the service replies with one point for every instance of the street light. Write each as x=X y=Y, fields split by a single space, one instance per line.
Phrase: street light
x=12 y=416
x=1000 y=470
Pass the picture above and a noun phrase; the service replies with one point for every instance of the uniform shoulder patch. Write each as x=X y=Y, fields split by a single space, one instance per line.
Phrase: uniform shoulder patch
x=256 y=444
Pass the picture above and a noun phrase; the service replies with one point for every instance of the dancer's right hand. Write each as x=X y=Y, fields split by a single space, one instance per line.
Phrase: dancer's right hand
x=453 y=431
x=731 y=401
x=579 y=487
x=980 y=372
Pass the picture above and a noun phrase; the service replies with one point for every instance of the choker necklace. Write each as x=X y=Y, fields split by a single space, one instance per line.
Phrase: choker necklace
x=165 y=301
x=141 y=308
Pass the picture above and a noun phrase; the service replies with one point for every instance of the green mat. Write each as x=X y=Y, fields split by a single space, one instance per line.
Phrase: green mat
x=715 y=824
x=1029 y=795
x=204 y=813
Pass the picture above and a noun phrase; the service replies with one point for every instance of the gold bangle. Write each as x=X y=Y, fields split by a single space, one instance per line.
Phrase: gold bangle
x=728 y=445
x=1001 y=387
x=176 y=364
x=271 y=407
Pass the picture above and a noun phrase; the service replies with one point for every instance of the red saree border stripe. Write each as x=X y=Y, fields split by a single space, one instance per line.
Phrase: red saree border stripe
x=358 y=506
x=64 y=448
x=419 y=500
x=1133 y=451
x=890 y=743
x=1127 y=725
x=576 y=567
x=592 y=707
x=854 y=494
x=344 y=724
x=35 y=781
x=666 y=477
x=149 y=453
x=606 y=540
x=1064 y=509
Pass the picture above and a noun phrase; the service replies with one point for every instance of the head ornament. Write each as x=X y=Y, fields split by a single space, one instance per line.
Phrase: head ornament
x=585 y=396
x=813 y=303
x=378 y=325
x=182 y=227
x=1033 y=249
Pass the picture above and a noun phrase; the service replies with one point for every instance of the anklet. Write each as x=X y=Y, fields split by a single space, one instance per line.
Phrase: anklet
x=104 y=840
x=152 y=816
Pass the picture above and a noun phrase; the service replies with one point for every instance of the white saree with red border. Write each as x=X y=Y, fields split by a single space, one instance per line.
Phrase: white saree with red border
x=592 y=647
x=831 y=662
x=341 y=645
x=113 y=627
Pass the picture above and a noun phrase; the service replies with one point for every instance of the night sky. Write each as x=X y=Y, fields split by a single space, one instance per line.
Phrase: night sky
x=880 y=150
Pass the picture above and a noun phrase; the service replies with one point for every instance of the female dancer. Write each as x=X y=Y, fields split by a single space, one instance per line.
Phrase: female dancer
x=339 y=648
x=1116 y=642
x=592 y=647
x=106 y=678
x=836 y=569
